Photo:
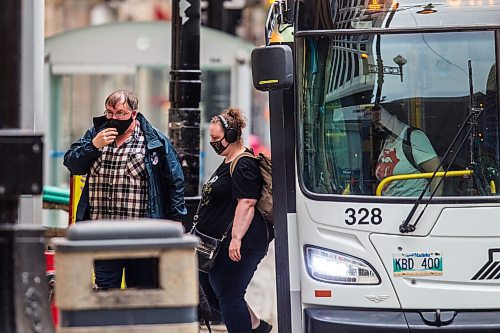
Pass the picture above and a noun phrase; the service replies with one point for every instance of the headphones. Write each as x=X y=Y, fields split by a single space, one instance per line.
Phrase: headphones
x=230 y=134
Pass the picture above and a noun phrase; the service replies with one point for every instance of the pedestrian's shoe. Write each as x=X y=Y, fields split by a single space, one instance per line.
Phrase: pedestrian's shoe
x=264 y=327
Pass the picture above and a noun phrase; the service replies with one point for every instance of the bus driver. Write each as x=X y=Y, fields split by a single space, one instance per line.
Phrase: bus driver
x=404 y=150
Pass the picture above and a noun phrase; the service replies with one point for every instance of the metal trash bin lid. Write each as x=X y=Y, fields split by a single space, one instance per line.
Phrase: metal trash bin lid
x=124 y=235
x=119 y=229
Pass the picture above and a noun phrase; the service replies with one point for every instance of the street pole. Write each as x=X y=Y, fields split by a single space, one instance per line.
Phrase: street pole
x=24 y=305
x=216 y=15
x=10 y=64
x=185 y=90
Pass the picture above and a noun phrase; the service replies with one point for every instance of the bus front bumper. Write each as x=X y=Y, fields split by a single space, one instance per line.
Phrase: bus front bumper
x=321 y=320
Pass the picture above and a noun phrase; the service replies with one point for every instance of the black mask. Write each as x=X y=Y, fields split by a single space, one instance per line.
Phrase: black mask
x=120 y=125
x=381 y=133
x=218 y=146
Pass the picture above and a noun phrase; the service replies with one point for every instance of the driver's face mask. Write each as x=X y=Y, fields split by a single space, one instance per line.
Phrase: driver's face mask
x=386 y=124
x=381 y=132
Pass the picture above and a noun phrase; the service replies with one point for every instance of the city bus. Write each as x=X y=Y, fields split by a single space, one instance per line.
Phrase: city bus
x=386 y=163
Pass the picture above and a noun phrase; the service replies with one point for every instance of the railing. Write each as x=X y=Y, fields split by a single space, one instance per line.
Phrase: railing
x=55 y=198
x=439 y=174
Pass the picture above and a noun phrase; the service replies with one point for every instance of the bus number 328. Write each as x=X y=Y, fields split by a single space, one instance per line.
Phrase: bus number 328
x=363 y=216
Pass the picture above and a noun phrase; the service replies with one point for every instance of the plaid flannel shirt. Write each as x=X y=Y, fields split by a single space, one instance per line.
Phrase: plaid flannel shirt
x=118 y=183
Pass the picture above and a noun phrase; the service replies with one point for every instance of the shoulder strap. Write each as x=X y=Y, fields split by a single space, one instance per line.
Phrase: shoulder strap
x=195 y=222
x=233 y=162
x=195 y=217
x=408 y=148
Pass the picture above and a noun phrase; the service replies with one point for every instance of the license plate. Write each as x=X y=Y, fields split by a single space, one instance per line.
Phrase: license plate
x=417 y=263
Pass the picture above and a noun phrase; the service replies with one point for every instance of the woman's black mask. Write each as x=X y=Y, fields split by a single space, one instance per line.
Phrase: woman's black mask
x=218 y=146
x=120 y=125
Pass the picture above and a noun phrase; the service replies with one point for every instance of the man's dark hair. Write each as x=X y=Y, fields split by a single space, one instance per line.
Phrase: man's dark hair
x=122 y=95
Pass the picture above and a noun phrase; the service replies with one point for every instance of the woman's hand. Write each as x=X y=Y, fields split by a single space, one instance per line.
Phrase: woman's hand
x=104 y=137
x=234 y=249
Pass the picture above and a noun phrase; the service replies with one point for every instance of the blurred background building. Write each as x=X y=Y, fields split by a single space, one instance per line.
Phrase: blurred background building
x=93 y=47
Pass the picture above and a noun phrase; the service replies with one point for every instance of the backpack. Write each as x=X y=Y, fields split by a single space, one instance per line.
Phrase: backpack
x=408 y=149
x=265 y=203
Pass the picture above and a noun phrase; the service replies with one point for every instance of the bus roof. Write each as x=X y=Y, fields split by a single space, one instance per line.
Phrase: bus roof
x=447 y=13
x=368 y=14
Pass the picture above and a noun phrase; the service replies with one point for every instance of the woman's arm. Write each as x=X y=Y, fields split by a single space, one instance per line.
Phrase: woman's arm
x=243 y=216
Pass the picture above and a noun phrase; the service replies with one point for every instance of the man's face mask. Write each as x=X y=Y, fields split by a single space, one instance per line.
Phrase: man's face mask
x=218 y=146
x=120 y=125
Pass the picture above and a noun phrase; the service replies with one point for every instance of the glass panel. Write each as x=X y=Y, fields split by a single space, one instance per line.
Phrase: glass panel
x=215 y=93
x=75 y=101
x=376 y=106
x=79 y=98
x=215 y=98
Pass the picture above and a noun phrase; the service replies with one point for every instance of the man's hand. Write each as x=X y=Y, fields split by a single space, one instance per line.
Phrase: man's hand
x=104 y=137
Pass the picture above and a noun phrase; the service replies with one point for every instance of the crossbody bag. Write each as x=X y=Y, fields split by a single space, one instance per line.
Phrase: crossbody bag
x=208 y=247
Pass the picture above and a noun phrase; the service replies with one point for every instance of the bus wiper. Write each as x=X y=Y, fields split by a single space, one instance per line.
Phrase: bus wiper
x=471 y=121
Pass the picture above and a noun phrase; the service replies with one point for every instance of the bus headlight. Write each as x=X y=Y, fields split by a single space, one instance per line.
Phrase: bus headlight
x=336 y=267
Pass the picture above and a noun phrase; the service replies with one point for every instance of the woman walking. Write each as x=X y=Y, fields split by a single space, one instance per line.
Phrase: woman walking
x=229 y=197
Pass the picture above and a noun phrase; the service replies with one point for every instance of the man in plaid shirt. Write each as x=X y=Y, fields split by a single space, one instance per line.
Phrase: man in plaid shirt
x=132 y=172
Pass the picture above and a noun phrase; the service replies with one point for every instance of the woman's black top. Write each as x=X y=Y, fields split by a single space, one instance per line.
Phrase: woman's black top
x=220 y=196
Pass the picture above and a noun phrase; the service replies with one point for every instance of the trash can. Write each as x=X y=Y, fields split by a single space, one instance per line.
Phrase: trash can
x=171 y=306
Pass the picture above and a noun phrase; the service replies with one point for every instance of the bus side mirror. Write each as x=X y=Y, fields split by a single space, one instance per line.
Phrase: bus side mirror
x=272 y=67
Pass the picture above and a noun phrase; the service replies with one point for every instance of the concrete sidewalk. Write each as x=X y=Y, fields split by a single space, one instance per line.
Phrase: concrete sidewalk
x=261 y=293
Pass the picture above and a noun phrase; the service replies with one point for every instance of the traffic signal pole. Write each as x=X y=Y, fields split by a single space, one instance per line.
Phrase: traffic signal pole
x=185 y=90
x=24 y=305
x=10 y=64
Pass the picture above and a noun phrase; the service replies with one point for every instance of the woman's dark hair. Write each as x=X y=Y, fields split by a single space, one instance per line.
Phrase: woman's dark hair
x=235 y=119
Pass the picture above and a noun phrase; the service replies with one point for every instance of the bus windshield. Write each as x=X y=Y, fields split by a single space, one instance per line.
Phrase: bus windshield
x=378 y=112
